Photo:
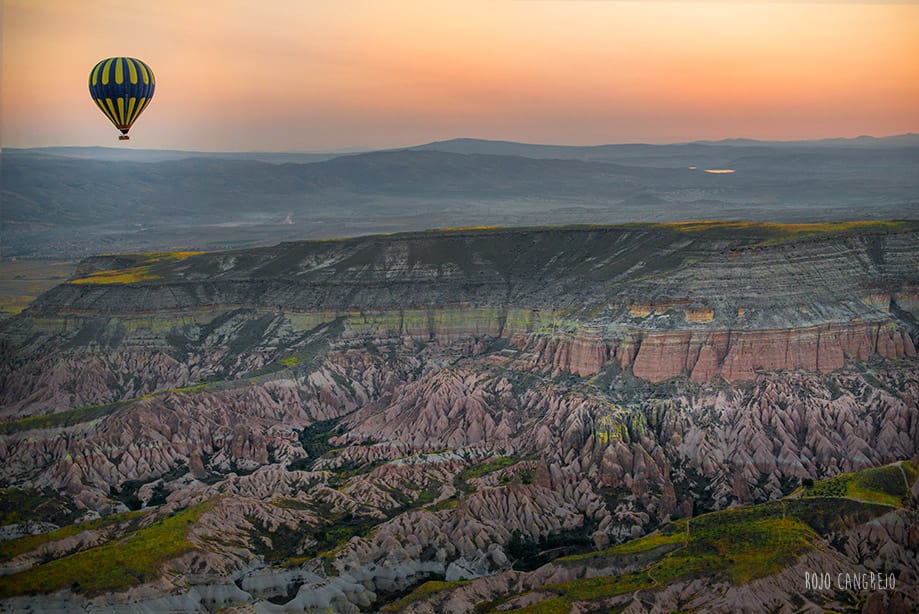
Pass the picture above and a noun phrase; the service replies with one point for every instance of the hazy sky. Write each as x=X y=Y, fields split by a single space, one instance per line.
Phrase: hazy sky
x=315 y=75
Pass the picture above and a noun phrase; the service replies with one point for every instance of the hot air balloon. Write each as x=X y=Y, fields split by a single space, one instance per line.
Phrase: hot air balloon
x=122 y=88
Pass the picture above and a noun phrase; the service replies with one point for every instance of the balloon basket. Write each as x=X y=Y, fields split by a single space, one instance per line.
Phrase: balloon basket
x=124 y=137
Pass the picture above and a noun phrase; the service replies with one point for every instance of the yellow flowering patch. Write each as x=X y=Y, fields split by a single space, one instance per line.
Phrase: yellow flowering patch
x=466 y=228
x=781 y=229
x=142 y=271
x=118 y=276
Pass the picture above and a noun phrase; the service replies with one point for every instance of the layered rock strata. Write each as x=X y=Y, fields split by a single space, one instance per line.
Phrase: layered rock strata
x=359 y=416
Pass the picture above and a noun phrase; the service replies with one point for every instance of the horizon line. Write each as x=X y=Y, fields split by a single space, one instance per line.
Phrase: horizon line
x=364 y=149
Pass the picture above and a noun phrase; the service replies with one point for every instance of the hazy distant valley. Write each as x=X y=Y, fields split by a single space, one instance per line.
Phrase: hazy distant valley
x=75 y=202
x=592 y=418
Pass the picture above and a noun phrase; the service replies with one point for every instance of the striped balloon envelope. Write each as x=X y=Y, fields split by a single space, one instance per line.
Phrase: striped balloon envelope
x=122 y=88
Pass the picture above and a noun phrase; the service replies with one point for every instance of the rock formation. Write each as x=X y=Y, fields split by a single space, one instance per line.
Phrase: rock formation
x=352 y=418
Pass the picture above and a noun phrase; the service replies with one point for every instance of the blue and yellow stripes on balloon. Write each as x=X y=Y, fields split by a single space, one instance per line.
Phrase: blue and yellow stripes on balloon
x=105 y=71
x=132 y=70
x=122 y=88
x=137 y=71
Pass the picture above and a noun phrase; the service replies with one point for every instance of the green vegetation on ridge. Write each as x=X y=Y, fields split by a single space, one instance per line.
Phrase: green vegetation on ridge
x=80 y=415
x=428 y=588
x=14 y=547
x=740 y=544
x=115 y=565
x=887 y=485
x=68 y=417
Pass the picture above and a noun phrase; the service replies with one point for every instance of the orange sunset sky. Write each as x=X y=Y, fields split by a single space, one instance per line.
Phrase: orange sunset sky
x=320 y=75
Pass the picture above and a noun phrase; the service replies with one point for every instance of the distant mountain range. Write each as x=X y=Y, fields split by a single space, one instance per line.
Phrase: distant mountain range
x=679 y=154
x=118 y=154
x=624 y=151
x=150 y=198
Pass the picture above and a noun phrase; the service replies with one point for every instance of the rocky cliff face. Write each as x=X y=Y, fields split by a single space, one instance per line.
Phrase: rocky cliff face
x=731 y=354
x=356 y=417
x=661 y=301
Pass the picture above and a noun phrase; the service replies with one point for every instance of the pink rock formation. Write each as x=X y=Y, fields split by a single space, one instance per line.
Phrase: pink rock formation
x=732 y=354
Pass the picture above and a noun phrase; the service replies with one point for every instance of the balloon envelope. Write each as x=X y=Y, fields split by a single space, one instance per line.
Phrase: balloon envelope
x=121 y=88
